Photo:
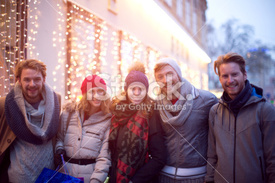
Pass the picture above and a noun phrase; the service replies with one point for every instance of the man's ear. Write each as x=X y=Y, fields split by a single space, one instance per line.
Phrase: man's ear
x=19 y=81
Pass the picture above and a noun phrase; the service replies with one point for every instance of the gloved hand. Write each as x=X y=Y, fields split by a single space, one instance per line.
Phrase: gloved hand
x=57 y=157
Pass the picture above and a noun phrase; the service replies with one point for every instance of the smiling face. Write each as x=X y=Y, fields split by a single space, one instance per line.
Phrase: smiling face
x=136 y=92
x=32 y=83
x=166 y=77
x=232 y=79
x=94 y=97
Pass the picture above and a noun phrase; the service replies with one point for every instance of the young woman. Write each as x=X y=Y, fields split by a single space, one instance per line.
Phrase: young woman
x=135 y=141
x=83 y=133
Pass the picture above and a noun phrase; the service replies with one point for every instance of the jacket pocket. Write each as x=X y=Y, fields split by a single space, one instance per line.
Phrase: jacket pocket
x=92 y=141
x=262 y=168
x=92 y=133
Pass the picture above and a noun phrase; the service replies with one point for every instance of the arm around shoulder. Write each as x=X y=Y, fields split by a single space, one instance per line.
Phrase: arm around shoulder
x=211 y=152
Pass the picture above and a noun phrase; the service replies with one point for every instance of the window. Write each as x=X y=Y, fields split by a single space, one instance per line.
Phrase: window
x=112 y=6
x=194 y=22
x=169 y=2
x=187 y=13
x=83 y=54
x=180 y=8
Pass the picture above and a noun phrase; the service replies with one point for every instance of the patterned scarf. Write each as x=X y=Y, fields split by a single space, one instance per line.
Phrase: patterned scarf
x=133 y=151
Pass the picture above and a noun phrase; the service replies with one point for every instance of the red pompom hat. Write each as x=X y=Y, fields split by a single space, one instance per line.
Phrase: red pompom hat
x=91 y=82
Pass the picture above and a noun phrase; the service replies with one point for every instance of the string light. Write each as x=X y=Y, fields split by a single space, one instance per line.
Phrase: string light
x=33 y=18
x=13 y=36
x=85 y=39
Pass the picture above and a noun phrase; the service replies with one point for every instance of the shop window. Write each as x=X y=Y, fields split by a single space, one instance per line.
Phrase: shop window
x=84 y=34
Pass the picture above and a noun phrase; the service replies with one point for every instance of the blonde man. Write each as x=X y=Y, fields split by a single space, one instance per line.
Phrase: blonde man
x=29 y=119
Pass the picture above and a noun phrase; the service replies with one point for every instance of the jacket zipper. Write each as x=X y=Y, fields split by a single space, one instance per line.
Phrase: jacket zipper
x=262 y=171
x=234 y=155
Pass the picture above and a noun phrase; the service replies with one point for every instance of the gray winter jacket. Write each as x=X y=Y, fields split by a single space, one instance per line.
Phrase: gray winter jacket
x=242 y=149
x=187 y=144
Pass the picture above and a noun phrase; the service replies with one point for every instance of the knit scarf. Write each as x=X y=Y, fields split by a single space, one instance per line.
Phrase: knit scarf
x=133 y=145
x=236 y=104
x=183 y=106
x=19 y=123
x=36 y=116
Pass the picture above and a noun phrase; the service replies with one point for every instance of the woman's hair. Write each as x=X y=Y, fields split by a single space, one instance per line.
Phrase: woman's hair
x=30 y=64
x=229 y=58
x=86 y=106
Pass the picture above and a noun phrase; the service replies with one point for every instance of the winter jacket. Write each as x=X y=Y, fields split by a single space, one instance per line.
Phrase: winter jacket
x=7 y=137
x=86 y=140
x=187 y=144
x=242 y=148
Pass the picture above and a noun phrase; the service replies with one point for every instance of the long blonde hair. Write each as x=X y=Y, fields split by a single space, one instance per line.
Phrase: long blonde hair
x=86 y=106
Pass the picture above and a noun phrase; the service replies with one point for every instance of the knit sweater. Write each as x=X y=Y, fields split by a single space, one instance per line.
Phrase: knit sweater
x=26 y=165
x=32 y=150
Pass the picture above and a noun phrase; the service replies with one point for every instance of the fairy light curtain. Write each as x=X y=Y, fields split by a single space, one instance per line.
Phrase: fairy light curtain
x=89 y=40
x=85 y=33
x=131 y=50
x=13 y=43
x=152 y=56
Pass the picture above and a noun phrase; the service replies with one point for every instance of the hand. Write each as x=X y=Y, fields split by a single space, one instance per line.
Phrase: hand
x=61 y=151
x=57 y=157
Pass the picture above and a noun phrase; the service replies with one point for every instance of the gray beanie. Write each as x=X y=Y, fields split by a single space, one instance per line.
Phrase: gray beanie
x=173 y=64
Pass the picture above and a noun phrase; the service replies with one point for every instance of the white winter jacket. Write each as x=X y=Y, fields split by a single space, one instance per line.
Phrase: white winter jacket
x=86 y=140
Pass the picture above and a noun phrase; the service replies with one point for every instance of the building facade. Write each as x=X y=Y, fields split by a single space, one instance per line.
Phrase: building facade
x=77 y=38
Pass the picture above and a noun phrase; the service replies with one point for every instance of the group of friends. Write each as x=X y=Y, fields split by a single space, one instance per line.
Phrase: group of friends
x=193 y=138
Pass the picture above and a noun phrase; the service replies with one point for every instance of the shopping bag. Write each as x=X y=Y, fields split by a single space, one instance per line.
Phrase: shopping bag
x=53 y=176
